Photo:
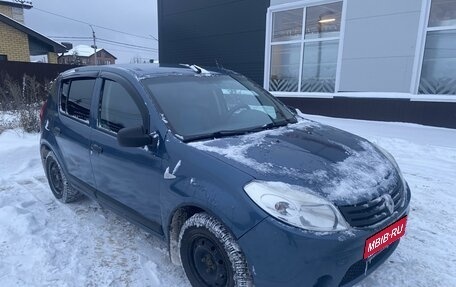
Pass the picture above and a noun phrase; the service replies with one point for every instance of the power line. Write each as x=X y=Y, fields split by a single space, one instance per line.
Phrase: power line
x=101 y=39
x=126 y=44
x=79 y=40
x=109 y=42
x=127 y=50
x=130 y=47
x=69 y=37
x=98 y=26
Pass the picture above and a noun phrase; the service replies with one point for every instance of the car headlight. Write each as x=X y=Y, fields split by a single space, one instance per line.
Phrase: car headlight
x=296 y=206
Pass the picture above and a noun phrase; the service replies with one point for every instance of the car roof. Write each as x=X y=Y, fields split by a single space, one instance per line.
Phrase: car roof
x=141 y=71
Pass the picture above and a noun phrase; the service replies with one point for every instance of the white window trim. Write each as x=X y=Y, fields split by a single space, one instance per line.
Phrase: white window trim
x=341 y=46
x=368 y=95
x=303 y=95
x=419 y=57
x=417 y=65
x=268 y=44
x=420 y=45
x=441 y=28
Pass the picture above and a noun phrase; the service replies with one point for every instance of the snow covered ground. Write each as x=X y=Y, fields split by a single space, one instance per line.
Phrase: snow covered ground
x=46 y=243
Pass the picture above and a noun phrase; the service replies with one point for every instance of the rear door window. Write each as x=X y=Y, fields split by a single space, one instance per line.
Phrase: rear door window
x=76 y=98
x=117 y=109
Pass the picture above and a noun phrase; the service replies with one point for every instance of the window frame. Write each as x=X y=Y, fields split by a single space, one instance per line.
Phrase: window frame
x=76 y=77
x=134 y=94
x=269 y=43
x=419 y=57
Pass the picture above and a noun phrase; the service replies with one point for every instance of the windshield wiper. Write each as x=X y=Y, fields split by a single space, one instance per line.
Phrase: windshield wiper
x=226 y=133
x=217 y=134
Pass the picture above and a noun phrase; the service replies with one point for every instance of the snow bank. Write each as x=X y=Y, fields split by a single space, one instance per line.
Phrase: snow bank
x=8 y=120
x=46 y=243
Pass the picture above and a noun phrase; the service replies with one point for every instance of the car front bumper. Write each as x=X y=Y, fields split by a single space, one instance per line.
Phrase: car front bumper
x=282 y=255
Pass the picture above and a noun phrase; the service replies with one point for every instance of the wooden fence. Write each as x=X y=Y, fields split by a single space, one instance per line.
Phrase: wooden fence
x=42 y=72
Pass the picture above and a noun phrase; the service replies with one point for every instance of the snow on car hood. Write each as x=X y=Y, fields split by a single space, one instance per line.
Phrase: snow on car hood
x=337 y=165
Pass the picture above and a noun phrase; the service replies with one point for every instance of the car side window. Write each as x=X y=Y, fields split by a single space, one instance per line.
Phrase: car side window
x=76 y=97
x=64 y=96
x=117 y=108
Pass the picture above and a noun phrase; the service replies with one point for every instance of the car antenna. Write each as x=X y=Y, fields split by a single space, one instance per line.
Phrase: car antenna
x=194 y=68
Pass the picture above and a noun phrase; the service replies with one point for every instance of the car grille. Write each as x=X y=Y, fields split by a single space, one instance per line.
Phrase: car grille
x=376 y=210
x=359 y=268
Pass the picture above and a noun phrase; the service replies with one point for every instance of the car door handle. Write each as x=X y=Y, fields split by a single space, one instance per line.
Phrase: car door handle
x=57 y=131
x=96 y=148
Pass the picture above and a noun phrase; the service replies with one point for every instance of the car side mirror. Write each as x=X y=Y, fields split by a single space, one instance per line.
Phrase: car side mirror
x=135 y=137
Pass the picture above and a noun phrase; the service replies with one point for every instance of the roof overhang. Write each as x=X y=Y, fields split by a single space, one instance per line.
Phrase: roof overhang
x=54 y=46
x=24 y=5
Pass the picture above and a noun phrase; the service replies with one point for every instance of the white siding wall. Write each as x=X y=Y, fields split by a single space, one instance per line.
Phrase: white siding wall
x=379 y=45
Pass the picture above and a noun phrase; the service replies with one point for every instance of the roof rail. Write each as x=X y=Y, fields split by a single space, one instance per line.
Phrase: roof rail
x=196 y=69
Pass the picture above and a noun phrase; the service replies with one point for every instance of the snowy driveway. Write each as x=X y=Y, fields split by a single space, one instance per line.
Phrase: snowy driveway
x=45 y=243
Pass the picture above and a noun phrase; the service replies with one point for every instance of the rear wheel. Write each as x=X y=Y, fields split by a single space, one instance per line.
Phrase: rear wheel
x=210 y=255
x=58 y=182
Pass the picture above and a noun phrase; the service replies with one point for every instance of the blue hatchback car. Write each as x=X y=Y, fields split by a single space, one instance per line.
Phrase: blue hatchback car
x=246 y=191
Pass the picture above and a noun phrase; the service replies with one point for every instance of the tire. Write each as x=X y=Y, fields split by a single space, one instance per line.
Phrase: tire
x=210 y=255
x=58 y=182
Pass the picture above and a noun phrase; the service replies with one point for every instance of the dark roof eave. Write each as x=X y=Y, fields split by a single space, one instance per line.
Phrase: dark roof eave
x=56 y=47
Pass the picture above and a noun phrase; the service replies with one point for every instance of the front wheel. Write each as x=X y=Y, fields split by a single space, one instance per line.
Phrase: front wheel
x=210 y=255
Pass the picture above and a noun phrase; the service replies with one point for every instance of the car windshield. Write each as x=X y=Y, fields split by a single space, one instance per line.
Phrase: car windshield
x=197 y=107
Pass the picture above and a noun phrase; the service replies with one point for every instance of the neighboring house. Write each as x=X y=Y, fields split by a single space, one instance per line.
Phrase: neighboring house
x=17 y=41
x=385 y=60
x=85 y=55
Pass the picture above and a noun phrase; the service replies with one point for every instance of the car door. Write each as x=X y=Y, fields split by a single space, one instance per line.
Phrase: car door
x=127 y=178
x=71 y=128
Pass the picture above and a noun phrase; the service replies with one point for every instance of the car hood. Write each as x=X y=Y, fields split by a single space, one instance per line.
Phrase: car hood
x=337 y=165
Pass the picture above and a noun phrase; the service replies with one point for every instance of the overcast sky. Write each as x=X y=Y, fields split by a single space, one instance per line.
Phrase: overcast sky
x=138 y=17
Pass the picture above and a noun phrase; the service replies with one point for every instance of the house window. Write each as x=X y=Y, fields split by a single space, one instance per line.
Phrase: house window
x=438 y=73
x=304 y=48
x=3 y=58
